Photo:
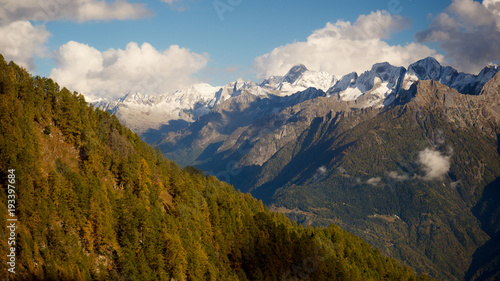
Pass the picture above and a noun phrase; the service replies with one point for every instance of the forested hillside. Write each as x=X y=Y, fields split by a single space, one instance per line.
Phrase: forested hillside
x=94 y=202
x=417 y=178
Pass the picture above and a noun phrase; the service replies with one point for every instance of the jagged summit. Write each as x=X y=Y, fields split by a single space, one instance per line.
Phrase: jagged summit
x=374 y=85
x=428 y=68
x=377 y=87
x=294 y=73
x=465 y=83
x=298 y=79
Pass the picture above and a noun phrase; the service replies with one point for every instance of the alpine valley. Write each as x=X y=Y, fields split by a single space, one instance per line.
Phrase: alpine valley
x=86 y=199
x=405 y=158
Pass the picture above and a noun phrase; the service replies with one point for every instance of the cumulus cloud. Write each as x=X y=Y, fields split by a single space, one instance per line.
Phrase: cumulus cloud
x=493 y=6
x=342 y=47
x=80 y=10
x=116 y=72
x=469 y=33
x=21 y=41
x=434 y=164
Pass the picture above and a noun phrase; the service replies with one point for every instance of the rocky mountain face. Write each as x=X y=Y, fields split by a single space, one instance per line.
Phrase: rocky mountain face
x=430 y=69
x=141 y=111
x=401 y=157
x=375 y=89
x=152 y=115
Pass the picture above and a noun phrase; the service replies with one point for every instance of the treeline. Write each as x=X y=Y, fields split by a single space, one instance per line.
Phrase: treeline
x=94 y=202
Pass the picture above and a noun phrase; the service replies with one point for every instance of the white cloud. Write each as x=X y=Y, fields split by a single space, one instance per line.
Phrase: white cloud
x=493 y=6
x=80 y=10
x=114 y=73
x=21 y=41
x=374 y=181
x=434 y=164
x=320 y=172
x=469 y=33
x=397 y=176
x=343 y=47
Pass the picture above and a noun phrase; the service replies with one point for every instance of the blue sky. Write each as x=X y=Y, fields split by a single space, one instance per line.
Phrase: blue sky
x=87 y=44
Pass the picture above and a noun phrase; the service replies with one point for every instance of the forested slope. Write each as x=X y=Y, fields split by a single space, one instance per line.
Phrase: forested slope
x=94 y=202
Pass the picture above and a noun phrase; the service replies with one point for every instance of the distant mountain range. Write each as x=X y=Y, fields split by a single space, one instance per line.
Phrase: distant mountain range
x=142 y=112
x=406 y=158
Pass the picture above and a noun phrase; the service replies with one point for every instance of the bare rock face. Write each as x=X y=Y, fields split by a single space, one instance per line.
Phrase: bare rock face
x=492 y=87
x=491 y=94
x=466 y=111
x=341 y=161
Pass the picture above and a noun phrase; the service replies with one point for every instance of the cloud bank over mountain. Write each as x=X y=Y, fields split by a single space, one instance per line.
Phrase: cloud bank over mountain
x=469 y=33
x=343 y=47
x=135 y=68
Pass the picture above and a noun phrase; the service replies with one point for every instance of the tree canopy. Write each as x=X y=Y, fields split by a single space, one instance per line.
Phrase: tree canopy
x=97 y=203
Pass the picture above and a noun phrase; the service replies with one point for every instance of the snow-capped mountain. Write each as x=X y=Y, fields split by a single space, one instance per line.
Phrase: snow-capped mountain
x=376 y=87
x=379 y=86
x=430 y=69
x=298 y=79
x=372 y=87
x=141 y=112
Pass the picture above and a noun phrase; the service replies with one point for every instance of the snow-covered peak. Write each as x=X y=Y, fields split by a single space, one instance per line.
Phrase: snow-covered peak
x=271 y=82
x=202 y=89
x=320 y=80
x=294 y=73
x=240 y=83
x=344 y=82
x=197 y=92
x=380 y=72
x=142 y=111
x=298 y=79
x=430 y=69
x=425 y=69
x=487 y=73
x=370 y=88
x=376 y=87
x=134 y=98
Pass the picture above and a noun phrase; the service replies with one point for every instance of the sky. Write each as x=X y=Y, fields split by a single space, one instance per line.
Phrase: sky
x=106 y=49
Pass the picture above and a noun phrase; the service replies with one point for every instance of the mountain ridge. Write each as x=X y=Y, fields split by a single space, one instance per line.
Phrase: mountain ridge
x=374 y=147
x=97 y=203
x=375 y=87
x=299 y=157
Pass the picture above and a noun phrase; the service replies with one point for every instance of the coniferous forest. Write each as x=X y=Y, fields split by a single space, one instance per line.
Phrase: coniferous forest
x=94 y=202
